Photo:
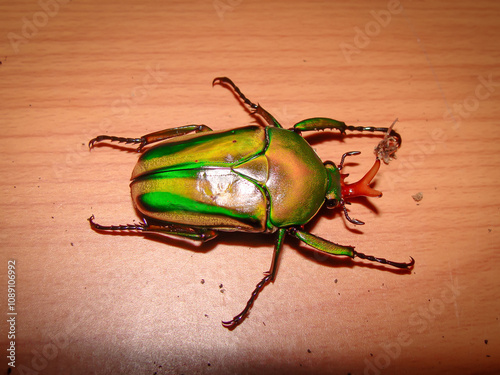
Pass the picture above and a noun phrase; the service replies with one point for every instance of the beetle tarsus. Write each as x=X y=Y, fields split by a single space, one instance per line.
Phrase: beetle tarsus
x=346 y=214
x=372 y=129
x=195 y=234
x=256 y=108
x=408 y=265
x=225 y=80
x=386 y=149
x=150 y=138
x=112 y=138
x=269 y=276
x=231 y=324
x=125 y=227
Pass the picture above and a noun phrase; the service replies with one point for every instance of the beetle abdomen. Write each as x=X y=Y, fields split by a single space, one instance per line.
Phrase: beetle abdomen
x=217 y=198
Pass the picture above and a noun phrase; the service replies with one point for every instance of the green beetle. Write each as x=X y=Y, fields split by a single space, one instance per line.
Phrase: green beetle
x=251 y=179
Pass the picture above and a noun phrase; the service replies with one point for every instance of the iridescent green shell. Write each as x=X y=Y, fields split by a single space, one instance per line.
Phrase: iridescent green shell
x=251 y=179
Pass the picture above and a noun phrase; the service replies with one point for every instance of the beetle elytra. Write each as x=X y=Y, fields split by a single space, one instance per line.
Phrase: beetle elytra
x=197 y=182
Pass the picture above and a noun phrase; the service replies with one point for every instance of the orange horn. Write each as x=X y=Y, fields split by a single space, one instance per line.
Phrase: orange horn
x=362 y=187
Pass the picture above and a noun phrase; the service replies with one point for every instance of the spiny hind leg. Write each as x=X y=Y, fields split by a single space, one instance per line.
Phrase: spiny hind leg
x=268 y=118
x=197 y=234
x=386 y=148
x=152 y=137
x=269 y=276
x=328 y=247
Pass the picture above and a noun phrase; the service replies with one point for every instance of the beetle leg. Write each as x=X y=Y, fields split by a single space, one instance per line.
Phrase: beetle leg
x=331 y=248
x=152 y=137
x=197 y=234
x=171 y=133
x=385 y=149
x=257 y=109
x=277 y=249
x=269 y=276
x=322 y=123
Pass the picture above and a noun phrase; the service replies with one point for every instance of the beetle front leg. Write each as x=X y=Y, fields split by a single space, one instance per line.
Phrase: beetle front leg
x=268 y=118
x=196 y=234
x=331 y=248
x=385 y=149
x=269 y=276
x=152 y=137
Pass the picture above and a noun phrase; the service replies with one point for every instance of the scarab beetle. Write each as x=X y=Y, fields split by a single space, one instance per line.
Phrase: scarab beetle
x=250 y=179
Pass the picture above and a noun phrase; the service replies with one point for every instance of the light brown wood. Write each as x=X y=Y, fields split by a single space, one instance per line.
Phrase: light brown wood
x=91 y=303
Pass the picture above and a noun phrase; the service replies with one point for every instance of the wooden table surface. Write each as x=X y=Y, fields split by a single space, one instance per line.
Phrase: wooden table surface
x=108 y=304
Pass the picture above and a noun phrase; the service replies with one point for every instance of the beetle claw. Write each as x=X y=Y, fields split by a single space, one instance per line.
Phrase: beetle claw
x=231 y=324
x=218 y=81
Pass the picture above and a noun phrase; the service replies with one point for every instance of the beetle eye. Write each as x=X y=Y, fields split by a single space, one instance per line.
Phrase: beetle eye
x=331 y=203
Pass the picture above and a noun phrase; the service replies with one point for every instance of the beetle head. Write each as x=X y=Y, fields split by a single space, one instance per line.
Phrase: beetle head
x=340 y=192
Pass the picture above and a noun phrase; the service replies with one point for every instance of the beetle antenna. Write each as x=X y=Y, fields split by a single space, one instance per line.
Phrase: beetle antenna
x=385 y=261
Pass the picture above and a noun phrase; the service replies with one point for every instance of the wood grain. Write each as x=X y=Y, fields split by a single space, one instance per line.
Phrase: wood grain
x=90 y=303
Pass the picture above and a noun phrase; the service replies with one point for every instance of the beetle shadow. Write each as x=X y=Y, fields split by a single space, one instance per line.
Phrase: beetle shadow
x=266 y=240
x=164 y=239
x=253 y=240
x=118 y=147
x=225 y=238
